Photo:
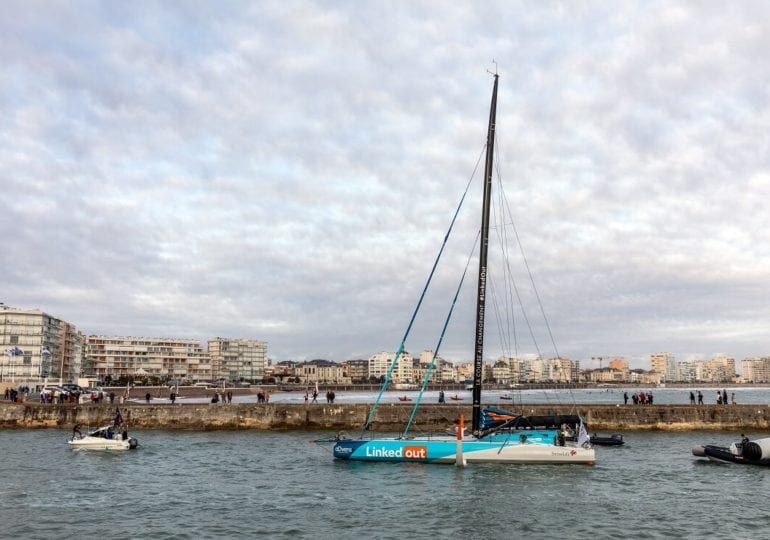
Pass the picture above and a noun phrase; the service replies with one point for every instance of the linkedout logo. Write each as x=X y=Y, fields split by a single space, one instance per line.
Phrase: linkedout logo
x=405 y=452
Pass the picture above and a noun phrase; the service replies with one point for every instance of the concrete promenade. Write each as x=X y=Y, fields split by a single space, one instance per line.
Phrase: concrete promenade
x=389 y=417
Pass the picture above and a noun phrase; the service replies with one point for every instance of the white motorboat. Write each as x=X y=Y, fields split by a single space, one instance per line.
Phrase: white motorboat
x=104 y=438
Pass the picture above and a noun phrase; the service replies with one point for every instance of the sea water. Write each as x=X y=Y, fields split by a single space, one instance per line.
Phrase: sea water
x=596 y=396
x=254 y=484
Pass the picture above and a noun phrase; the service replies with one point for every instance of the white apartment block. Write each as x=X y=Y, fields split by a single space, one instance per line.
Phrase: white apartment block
x=37 y=347
x=171 y=358
x=379 y=364
x=756 y=370
x=237 y=359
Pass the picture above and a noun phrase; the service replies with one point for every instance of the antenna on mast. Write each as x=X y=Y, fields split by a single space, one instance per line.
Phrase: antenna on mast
x=495 y=63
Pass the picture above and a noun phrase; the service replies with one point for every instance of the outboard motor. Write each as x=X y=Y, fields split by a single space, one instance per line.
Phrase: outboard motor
x=132 y=443
x=758 y=450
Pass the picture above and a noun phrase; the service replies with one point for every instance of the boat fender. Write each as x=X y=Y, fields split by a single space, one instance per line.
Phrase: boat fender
x=757 y=450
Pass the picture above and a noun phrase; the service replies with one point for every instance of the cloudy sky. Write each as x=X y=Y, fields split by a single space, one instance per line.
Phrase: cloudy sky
x=286 y=171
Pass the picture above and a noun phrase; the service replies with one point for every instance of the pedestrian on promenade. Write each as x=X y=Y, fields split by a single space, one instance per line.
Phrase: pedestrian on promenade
x=700 y=398
x=625 y=398
x=692 y=398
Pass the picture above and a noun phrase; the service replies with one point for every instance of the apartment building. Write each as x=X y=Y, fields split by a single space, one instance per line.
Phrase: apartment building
x=168 y=358
x=756 y=370
x=237 y=359
x=719 y=369
x=664 y=364
x=36 y=347
x=403 y=373
x=357 y=370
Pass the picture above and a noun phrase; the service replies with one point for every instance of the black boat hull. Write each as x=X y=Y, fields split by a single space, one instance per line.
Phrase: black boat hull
x=748 y=453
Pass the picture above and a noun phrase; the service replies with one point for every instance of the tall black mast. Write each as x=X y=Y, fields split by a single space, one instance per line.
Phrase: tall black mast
x=482 y=292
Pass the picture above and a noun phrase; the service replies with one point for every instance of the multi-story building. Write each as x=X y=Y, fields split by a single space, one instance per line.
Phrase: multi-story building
x=403 y=373
x=501 y=370
x=561 y=370
x=719 y=369
x=171 y=358
x=465 y=371
x=620 y=364
x=358 y=370
x=665 y=365
x=756 y=370
x=37 y=347
x=605 y=375
x=281 y=372
x=687 y=371
x=442 y=371
x=237 y=359
x=322 y=371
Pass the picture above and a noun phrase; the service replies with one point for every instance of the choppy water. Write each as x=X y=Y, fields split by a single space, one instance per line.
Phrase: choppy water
x=279 y=485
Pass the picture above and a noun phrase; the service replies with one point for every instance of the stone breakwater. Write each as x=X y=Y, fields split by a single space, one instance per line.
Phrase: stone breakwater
x=389 y=417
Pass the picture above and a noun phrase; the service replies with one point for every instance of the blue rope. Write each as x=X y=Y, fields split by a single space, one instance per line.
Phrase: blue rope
x=440 y=340
x=389 y=374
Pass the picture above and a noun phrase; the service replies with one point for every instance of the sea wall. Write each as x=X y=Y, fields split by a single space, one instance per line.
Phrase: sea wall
x=389 y=417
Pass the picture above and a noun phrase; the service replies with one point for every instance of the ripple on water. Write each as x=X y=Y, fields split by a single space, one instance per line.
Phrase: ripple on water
x=275 y=485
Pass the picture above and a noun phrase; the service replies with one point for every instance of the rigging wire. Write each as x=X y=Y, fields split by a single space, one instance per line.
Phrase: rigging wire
x=426 y=379
x=508 y=277
x=393 y=364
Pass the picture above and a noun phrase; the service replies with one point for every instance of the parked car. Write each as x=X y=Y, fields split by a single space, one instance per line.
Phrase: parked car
x=55 y=391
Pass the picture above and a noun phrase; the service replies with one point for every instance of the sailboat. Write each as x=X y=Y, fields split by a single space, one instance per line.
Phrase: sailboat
x=496 y=435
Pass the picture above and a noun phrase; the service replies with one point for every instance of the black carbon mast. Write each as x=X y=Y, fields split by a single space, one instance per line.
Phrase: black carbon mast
x=483 y=248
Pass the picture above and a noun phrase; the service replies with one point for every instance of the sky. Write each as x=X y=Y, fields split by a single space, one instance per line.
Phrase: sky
x=286 y=171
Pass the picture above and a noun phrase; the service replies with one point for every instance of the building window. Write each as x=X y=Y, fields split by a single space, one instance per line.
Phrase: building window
x=14 y=340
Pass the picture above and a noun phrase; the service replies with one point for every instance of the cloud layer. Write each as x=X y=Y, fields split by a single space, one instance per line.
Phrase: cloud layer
x=286 y=171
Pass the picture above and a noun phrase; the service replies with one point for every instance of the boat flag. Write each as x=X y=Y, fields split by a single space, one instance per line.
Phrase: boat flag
x=127 y=391
x=583 y=437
